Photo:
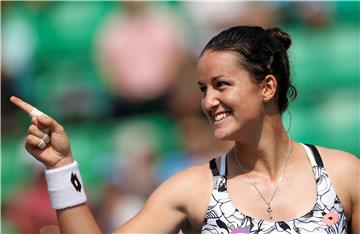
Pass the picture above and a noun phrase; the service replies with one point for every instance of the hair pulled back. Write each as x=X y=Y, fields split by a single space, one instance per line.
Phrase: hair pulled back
x=261 y=52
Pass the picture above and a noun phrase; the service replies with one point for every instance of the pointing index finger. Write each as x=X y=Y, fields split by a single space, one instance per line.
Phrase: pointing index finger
x=32 y=111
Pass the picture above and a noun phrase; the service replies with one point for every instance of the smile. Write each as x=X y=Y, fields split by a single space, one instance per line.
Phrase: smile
x=221 y=116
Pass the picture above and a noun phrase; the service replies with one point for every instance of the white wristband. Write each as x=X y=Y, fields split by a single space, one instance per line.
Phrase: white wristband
x=65 y=186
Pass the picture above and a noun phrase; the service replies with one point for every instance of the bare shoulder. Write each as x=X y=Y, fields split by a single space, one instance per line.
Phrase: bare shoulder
x=186 y=185
x=341 y=166
x=189 y=177
x=339 y=160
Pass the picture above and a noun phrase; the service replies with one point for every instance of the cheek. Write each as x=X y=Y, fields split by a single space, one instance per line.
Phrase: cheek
x=246 y=104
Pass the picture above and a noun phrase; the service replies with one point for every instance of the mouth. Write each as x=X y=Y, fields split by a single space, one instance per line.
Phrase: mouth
x=220 y=116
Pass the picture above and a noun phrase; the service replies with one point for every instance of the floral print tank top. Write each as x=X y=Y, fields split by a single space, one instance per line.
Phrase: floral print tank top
x=326 y=216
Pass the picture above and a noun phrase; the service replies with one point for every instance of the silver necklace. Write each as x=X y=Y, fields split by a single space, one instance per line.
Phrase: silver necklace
x=268 y=203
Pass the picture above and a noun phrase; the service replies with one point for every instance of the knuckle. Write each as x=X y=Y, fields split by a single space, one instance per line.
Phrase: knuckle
x=32 y=128
x=33 y=120
x=61 y=128
x=31 y=138
x=28 y=139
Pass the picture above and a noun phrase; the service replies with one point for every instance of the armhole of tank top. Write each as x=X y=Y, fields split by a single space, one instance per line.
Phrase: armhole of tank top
x=315 y=159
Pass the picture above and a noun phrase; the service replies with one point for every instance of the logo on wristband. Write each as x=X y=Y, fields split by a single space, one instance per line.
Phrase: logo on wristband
x=75 y=182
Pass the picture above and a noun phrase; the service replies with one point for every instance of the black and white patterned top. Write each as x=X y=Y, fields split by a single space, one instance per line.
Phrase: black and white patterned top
x=327 y=215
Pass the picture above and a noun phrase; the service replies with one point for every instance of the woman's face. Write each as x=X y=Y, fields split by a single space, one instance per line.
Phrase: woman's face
x=231 y=100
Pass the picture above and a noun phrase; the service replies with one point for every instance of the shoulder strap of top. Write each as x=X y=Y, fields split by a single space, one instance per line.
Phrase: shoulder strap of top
x=218 y=177
x=313 y=155
x=213 y=167
x=223 y=165
x=316 y=154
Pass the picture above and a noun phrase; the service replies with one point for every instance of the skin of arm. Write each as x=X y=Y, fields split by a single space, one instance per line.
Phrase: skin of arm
x=180 y=199
x=354 y=194
x=355 y=215
x=343 y=169
x=78 y=219
x=57 y=153
x=170 y=207
x=165 y=211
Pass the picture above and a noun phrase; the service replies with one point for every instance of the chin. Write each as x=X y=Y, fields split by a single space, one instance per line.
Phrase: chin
x=222 y=135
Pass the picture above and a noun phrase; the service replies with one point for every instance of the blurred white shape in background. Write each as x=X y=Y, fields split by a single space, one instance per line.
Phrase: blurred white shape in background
x=18 y=45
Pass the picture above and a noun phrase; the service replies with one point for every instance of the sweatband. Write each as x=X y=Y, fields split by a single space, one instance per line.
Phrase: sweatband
x=65 y=186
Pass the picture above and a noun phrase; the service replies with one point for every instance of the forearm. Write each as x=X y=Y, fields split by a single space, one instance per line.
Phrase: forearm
x=67 y=196
x=77 y=219
x=48 y=143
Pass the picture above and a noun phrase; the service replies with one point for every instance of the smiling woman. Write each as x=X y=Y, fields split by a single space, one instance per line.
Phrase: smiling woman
x=254 y=188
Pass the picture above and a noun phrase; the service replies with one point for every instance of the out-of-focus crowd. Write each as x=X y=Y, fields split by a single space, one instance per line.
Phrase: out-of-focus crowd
x=121 y=78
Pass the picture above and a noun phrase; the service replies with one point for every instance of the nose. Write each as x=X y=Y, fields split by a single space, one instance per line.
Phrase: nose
x=210 y=101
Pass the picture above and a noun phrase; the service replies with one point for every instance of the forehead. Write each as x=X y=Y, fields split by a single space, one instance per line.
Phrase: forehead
x=217 y=63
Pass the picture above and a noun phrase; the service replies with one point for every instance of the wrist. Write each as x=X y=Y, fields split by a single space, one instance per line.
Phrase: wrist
x=65 y=186
x=61 y=163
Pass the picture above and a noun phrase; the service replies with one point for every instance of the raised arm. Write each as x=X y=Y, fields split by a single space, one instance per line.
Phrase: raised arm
x=163 y=212
x=55 y=154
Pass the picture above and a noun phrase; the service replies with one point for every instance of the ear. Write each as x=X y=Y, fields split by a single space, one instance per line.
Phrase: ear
x=269 y=87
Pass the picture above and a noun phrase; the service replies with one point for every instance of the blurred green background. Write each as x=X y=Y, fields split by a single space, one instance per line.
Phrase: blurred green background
x=121 y=78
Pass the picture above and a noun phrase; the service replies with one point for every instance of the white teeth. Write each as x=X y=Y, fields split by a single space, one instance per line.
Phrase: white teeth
x=221 y=116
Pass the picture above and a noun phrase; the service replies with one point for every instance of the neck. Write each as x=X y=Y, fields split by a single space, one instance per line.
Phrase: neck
x=266 y=153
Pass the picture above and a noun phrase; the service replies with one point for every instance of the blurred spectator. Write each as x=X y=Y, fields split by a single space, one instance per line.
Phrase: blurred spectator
x=198 y=146
x=184 y=98
x=309 y=13
x=116 y=207
x=132 y=175
x=198 y=142
x=125 y=193
x=18 y=42
x=212 y=17
x=30 y=210
x=140 y=50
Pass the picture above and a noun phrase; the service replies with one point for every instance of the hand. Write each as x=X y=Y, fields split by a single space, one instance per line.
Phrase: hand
x=57 y=152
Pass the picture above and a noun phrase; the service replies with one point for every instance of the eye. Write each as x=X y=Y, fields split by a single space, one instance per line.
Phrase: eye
x=221 y=84
x=202 y=88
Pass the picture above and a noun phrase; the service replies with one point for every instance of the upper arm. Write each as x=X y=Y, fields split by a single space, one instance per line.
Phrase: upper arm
x=165 y=210
x=343 y=169
x=159 y=215
x=355 y=216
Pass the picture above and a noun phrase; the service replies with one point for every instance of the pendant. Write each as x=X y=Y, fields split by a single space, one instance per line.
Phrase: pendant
x=269 y=210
